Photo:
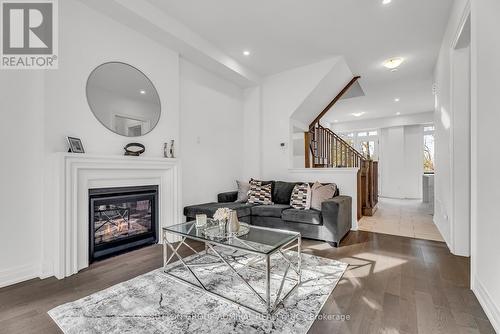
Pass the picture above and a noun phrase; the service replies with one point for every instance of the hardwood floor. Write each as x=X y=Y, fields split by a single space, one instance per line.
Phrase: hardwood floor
x=393 y=285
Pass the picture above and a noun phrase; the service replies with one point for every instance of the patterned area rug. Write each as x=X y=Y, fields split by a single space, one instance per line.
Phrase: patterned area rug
x=156 y=303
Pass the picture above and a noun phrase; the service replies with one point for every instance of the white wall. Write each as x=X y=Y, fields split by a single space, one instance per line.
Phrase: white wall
x=485 y=182
x=83 y=47
x=252 y=133
x=281 y=95
x=443 y=118
x=39 y=109
x=21 y=132
x=211 y=134
x=401 y=161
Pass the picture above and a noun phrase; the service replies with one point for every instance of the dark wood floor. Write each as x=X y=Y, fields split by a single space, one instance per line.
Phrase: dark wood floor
x=393 y=285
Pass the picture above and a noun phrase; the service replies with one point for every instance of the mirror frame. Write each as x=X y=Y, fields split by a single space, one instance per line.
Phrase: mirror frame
x=147 y=78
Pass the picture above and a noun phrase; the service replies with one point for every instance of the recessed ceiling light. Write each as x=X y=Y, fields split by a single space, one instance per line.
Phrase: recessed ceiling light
x=142 y=91
x=246 y=53
x=335 y=121
x=396 y=99
x=386 y=2
x=393 y=62
x=398 y=113
x=358 y=114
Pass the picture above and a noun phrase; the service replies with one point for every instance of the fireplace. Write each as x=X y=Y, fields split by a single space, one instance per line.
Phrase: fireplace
x=121 y=219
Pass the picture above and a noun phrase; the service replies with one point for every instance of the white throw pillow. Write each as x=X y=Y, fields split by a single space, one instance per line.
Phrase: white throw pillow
x=320 y=193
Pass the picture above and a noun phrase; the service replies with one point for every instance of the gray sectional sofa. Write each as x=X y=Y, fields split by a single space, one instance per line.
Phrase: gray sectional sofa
x=330 y=224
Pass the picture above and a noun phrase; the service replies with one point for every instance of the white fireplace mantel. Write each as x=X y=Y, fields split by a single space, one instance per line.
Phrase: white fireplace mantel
x=65 y=233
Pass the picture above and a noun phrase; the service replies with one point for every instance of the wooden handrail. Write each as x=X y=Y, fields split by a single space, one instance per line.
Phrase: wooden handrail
x=335 y=100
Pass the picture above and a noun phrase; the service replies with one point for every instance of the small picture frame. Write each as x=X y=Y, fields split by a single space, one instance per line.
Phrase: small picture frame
x=75 y=145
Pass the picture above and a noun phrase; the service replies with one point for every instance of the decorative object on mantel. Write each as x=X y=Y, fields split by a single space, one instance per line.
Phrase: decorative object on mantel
x=75 y=145
x=134 y=149
x=149 y=302
x=165 y=150
x=172 y=149
x=168 y=151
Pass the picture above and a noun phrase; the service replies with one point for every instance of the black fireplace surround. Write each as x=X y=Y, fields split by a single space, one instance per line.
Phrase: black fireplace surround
x=121 y=219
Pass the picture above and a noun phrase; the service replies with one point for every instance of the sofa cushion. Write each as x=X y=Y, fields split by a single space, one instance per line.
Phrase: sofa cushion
x=312 y=217
x=243 y=209
x=273 y=210
x=282 y=192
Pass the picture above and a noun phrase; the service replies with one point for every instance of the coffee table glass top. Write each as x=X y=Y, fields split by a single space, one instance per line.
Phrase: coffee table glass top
x=258 y=240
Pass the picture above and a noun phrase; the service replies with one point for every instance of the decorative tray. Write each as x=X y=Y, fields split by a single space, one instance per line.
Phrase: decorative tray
x=213 y=231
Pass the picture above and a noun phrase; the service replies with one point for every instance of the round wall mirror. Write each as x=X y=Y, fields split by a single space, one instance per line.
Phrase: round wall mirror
x=123 y=99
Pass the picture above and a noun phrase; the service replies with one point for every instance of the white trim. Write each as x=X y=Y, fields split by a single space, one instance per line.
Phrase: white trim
x=18 y=274
x=489 y=307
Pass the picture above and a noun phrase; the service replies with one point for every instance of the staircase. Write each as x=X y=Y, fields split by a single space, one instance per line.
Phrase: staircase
x=325 y=149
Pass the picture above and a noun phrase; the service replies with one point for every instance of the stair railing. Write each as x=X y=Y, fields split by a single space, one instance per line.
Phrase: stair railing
x=325 y=149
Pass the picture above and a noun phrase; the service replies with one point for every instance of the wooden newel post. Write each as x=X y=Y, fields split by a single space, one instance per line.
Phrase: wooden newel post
x=307 y=150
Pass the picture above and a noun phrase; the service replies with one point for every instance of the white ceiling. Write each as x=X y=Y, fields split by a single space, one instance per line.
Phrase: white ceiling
x=283 y=34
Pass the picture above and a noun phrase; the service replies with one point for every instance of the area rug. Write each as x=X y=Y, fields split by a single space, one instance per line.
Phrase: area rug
x=156 y=303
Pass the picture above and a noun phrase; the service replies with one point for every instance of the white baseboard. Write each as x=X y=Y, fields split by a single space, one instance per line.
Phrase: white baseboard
x=18 y=274
x=489 y=306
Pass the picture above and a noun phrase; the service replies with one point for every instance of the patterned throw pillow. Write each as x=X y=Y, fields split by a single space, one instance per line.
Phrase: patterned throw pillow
x=301 y=197
x=259 y=194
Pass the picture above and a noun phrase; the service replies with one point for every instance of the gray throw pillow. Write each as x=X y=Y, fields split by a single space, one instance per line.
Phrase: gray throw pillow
x=243 y=189
x=321 y=193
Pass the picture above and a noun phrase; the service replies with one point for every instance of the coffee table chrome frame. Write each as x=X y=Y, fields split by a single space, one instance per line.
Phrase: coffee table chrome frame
x=270 y=306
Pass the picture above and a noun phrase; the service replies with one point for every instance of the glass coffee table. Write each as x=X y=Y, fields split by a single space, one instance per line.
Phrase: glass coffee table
x=258 y=244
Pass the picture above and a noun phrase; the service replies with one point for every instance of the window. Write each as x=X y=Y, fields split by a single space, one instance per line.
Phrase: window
x=367 y=149
x=428 y=149
x=372 y=133
x=362 y=134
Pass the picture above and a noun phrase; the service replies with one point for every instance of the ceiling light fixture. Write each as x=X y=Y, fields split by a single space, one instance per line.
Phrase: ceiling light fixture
x=393 y=63
x=386 y=2
x=398 y=113
x=396 y=99
x=246 y=53
x=358 y=114
x=142 y=91
x=335 y=121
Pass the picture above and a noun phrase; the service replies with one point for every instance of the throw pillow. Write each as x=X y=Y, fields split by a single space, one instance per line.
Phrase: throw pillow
x=320 y=193
x=243 y=189
x=259 y=193
x=301 y=197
